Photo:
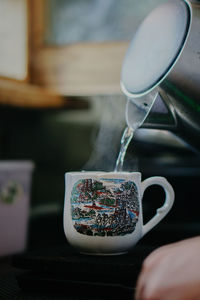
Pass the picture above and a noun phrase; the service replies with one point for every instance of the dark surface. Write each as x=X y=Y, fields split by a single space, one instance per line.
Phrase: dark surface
x=62 y=269
x=62 y=273
x=59 y=272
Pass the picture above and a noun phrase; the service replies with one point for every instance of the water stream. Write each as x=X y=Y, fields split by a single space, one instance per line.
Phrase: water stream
x=125 y=141
x=136 y=112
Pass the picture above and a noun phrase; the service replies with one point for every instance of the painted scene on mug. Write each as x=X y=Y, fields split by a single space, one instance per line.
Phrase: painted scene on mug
x=104 y=207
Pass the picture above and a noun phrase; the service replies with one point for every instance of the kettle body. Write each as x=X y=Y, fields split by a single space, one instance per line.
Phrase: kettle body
x=163 y=60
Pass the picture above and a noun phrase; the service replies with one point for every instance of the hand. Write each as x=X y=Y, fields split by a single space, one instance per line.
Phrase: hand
x=171 y=272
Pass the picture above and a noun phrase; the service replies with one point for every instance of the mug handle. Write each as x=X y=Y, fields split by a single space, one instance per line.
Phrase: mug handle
x=163 y=210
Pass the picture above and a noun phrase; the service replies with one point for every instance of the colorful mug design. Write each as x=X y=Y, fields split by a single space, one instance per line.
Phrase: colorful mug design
x=104 y=207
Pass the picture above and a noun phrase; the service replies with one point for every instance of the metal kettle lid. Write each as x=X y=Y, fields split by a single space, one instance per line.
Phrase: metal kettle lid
x=155 y=47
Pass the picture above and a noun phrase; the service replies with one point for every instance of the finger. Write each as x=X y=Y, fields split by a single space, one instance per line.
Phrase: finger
x=148 y=265
x=139 y=291
x=141 y=281
x=157 y=255
x=147 y=270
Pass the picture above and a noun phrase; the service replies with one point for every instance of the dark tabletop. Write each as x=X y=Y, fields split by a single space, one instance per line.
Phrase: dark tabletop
x=59 y=272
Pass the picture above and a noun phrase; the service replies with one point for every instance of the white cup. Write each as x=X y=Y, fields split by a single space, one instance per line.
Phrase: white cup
x=103 y=210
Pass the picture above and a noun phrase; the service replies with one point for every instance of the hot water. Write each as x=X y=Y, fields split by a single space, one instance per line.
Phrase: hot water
x=125 y=141
x=136 y=113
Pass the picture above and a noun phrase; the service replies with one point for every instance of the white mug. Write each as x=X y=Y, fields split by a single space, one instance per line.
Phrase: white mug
x=103 y=210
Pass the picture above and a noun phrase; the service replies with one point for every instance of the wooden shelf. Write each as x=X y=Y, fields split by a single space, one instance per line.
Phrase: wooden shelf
x=24 y=95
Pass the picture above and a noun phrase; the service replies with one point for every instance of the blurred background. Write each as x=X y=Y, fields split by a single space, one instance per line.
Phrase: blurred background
x=61 y=107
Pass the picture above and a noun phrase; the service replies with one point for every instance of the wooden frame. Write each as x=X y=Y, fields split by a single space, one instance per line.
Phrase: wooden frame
x=76 y=69
x=15 y=89
x=55 y=73
x=19 y=91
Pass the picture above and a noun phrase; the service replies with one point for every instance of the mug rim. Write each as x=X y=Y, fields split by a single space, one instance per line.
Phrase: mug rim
x=102 y=172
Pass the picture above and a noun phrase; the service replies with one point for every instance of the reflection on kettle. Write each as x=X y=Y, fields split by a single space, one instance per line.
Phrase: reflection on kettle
x=161 y=70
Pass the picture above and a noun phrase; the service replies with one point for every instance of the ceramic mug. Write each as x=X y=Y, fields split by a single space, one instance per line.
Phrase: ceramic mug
x=103 y=210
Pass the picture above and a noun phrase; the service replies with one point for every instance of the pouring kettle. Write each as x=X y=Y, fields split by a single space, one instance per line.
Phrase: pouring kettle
x=161 y=71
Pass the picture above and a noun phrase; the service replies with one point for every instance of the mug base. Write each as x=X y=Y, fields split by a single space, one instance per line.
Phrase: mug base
x=103 y=254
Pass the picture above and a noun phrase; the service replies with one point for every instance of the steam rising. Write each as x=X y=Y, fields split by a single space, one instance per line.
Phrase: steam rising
x=107 y=142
